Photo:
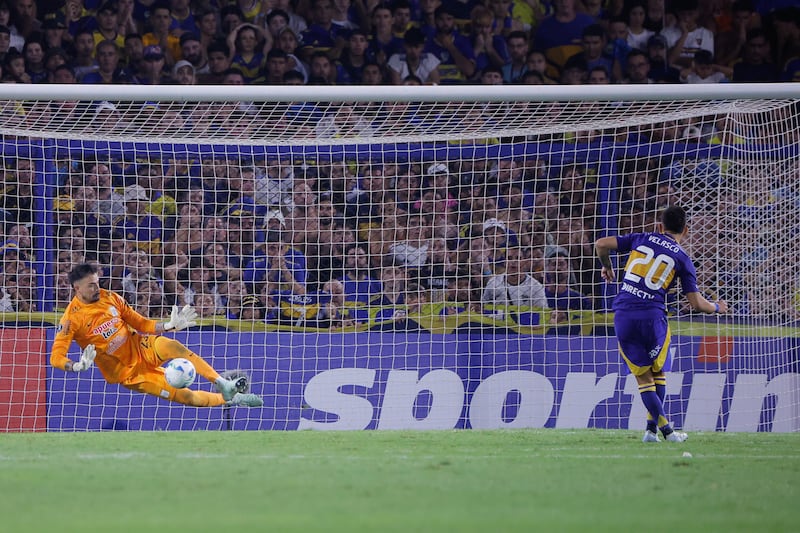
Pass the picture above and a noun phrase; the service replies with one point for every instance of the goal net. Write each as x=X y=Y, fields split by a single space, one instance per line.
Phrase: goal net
x=420 y=258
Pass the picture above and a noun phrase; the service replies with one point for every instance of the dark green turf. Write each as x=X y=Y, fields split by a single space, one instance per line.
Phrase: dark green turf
x=488 y=481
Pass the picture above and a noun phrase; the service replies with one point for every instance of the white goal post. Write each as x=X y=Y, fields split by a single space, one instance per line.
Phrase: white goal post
x=412 y=223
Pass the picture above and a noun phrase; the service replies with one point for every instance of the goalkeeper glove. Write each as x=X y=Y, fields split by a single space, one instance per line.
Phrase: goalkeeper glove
x=87 y=359
x=181 y=319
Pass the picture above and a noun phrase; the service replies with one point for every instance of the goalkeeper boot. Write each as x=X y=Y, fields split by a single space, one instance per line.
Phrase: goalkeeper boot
x=230 y=387
x=676 y=436
x=247 y=400
x=649 y=436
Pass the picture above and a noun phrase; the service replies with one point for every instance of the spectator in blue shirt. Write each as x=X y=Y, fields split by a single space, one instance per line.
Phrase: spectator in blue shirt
x=323 y=35
x=108 y=69
x=354 y=59
x=182 y=17
x=756 y=64
x=489 y=47
x=138 y=226
x=517 y=64
x=247 y=43
x=357 y=282
x=561 y=297
x=280 y=267
x=454 y=51
x=391 y=301
x=559 y=35
x=657 y=67
x=383 y=42
x=593 y=42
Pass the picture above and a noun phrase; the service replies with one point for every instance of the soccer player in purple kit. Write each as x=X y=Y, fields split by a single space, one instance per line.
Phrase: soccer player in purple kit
x=655 y=264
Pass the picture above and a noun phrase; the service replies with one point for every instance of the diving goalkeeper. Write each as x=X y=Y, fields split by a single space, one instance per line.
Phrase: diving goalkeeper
x=129 y=348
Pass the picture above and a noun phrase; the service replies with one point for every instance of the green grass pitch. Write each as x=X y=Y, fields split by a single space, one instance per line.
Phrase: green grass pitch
x=482 y=481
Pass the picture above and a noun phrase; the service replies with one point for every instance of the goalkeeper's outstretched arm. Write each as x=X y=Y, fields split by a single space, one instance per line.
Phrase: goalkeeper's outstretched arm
x=58 y=354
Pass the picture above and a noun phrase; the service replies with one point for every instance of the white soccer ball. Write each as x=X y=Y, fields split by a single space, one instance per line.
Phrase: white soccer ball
x=180 y=373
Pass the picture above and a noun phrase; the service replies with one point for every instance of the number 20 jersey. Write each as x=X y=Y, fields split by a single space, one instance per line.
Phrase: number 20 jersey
x=655 y=264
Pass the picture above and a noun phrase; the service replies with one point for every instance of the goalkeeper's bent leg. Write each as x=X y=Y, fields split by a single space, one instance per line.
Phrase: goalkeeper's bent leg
x=198 y=398
x=165 y=349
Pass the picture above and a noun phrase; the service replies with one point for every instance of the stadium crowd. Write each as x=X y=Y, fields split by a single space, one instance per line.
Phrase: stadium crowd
x=369 y=42
x=333 y=244
x=336 y=244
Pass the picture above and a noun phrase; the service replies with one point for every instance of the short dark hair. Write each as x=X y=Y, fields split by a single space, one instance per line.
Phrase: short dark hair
x=203 y=11
x=107 y=44
x=274 y=236
x=188 y=36
x=277 y=53
x=593 y=30
x=742 y=5
x=637 y=53
x=293 y=75
x=703 y=57
x=159 y=4
x=532 y=74
x=81 y=271
x=317 y=80
x=755 y=33
x=518 y=34
x=318 y=54
x=277 y=13
x=400 y=4
x=66 y=67
x=685 y=5
x=673 y=218
x=414 y=37
x=233 y=71
x=231 y=9
x=219 y=46
x=443 y=10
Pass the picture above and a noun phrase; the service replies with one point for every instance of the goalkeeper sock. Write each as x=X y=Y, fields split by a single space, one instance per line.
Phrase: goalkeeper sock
x=198 y=398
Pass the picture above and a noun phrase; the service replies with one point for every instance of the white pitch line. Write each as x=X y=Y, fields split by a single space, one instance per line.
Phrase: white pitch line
x=304 y=457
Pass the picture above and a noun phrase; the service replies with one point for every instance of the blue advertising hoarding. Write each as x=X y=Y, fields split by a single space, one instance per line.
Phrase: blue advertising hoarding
x=402 y=380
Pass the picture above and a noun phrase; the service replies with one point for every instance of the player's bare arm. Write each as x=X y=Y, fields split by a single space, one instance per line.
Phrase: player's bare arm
x=603 y=248
x=700 y=303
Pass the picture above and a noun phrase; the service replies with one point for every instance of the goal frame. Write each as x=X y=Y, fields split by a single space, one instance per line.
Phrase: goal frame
x=438 y=93
x=338 y=342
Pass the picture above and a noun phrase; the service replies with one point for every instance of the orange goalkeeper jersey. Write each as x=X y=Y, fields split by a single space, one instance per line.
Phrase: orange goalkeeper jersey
x=111 y=325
